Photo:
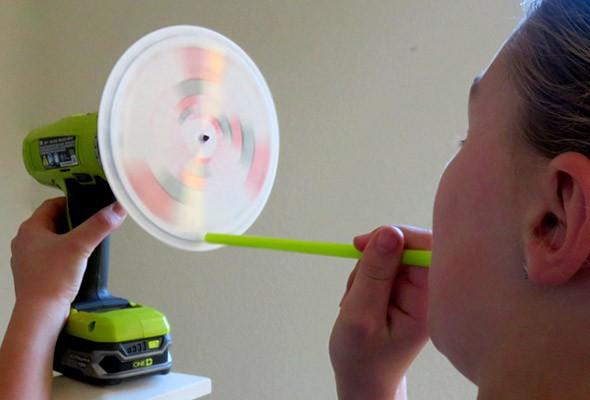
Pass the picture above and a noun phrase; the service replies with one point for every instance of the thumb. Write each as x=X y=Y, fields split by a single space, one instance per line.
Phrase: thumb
x=91 y=232
x=370 y=292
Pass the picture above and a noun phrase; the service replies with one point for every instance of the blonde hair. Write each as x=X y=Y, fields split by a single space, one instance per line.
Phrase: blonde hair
x=550 y=67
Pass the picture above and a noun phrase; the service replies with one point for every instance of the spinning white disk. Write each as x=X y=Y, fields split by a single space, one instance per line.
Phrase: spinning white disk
x=188 y=136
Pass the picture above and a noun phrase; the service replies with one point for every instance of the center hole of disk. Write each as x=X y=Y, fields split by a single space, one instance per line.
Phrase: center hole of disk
x=204 y=138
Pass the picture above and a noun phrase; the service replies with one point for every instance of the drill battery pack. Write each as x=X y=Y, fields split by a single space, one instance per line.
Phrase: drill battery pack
x=108 y=347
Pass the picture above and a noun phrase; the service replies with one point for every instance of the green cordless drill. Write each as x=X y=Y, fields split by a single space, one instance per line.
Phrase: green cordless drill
x=106 y=339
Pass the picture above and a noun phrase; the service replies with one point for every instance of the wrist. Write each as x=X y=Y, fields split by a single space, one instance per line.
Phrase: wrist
x=378 y=389
x=28 y=346
x=53 y=311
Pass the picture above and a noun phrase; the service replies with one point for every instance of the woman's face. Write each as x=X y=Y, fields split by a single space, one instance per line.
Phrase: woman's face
x=477 y=241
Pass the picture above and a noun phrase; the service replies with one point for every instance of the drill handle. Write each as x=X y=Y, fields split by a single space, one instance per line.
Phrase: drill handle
x=84 y=200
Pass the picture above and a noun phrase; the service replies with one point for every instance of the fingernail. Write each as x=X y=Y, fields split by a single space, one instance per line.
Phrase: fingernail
x=119 y=210
x=387 y=241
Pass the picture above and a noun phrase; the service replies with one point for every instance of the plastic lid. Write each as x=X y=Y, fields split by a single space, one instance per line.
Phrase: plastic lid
x=188 y=136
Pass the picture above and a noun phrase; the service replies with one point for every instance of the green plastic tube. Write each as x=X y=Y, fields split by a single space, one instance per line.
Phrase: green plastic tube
x=419 y=258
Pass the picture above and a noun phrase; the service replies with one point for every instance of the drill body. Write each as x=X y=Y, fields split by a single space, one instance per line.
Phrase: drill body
x=107 y=339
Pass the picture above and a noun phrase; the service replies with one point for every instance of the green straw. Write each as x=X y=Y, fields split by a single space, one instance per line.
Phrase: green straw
x=419 y=258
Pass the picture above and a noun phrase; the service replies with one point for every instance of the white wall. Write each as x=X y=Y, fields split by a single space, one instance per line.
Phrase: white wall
x=370 y=95
x=19 y=105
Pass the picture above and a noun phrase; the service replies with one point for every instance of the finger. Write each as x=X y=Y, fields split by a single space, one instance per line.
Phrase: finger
x=416 y=238
x=91 y=232
x=409 y=298
x=419 y=239
x=371 y=289
x=418 y=277
x=47 y=214
x=361 y=241
x=349 y=284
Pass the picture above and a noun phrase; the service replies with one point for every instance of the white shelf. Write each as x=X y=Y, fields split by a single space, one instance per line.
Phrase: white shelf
x=172 y=386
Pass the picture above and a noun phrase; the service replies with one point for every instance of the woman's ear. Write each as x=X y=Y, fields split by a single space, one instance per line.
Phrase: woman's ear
x=558 y=244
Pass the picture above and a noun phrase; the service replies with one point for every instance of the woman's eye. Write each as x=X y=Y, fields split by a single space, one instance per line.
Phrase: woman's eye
x=459 y=140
